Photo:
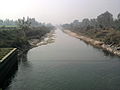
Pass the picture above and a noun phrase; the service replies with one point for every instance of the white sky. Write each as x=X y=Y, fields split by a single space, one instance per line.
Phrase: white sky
x=57 y=11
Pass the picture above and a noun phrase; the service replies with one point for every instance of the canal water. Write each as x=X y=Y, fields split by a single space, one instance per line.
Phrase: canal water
x=67 y=64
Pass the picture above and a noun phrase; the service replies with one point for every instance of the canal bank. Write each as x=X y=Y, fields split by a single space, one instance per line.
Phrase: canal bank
x=6 y=65
x=47 y=38
x=93 y=42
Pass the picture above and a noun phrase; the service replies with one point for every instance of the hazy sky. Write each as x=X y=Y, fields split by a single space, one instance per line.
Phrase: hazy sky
x=57 y=11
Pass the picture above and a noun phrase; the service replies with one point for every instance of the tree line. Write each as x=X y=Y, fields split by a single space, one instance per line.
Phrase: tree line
x=104 y=28
x=103 y=21
x=14 y=23
x=25 y=29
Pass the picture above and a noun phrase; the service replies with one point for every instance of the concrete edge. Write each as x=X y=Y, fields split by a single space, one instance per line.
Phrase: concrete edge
x=7 y=55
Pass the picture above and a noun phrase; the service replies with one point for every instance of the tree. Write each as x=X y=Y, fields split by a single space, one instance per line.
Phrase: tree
x=75 y=24
x=1 y=22
x=118 y=16
x=105 y=20
x=24 y=25
x=85 y=23
x=117 y=22
x=93 y=23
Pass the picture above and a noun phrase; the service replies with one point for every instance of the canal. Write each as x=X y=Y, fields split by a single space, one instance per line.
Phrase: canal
x=67 y=64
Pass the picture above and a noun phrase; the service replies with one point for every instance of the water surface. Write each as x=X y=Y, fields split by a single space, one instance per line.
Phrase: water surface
x=67 y=64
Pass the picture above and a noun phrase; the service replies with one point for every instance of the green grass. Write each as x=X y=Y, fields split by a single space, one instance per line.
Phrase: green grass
x=8 y=25
x=4 y=51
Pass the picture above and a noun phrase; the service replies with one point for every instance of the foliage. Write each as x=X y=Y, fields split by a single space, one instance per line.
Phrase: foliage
x=18 y=36
x=104 y=28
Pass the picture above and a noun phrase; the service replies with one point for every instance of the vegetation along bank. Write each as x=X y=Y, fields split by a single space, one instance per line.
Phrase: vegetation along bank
x=17 y=34
x=103 y=31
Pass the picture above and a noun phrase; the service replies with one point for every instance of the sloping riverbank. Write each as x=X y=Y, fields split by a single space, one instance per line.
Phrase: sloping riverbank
x=48 y=38
x=96 y=43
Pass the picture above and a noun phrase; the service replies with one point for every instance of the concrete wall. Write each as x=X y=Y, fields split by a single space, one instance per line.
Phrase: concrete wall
x=7 y=65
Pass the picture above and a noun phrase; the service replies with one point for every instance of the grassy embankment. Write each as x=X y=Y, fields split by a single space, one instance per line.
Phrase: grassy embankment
x=4 y=51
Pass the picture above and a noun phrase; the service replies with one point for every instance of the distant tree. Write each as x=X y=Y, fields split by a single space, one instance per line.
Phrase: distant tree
x=93 y=23
x=34 y=23
x=76 y=22
x=105 y=20
x=117 y=22
x=75 y=25
x=1 y=22
x=85 y=23
x=24 y=25
x=118 y=16
x=67 y=26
